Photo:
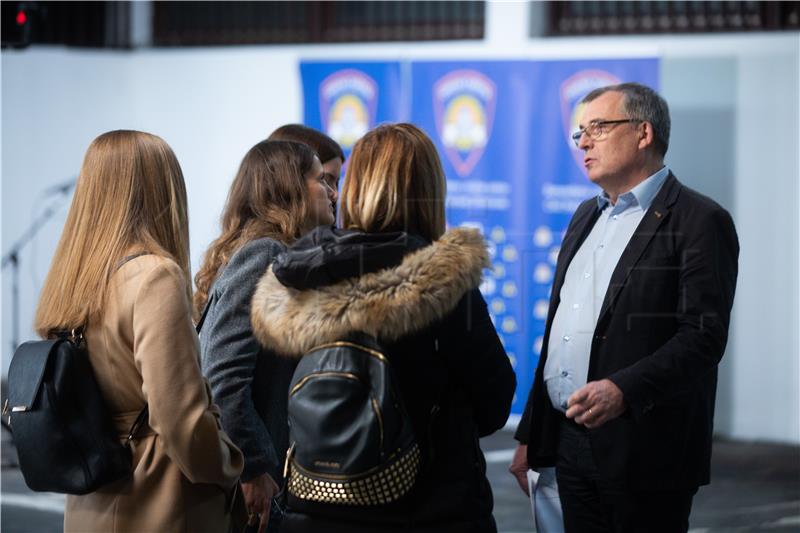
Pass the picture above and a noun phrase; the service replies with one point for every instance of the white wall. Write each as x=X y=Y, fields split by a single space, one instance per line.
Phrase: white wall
x=734 y=100
x=766 y=321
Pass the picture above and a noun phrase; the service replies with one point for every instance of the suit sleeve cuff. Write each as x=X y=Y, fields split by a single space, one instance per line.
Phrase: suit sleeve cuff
x=638 y=404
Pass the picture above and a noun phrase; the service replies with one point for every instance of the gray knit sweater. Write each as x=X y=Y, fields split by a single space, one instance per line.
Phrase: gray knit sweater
x=249 y=383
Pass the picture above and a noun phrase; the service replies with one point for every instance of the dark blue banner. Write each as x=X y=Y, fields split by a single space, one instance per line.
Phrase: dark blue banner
x=502 y=130
x=477 y=115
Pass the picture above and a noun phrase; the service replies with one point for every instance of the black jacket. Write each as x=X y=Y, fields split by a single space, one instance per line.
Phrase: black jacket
x=661 y=332
x=408 y=294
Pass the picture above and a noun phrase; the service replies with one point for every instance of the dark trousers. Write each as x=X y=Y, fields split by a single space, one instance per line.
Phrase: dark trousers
x=591 y=504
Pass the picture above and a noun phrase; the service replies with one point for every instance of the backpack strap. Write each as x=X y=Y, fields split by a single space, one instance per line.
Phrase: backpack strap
x=145 y=412
x=127 y=258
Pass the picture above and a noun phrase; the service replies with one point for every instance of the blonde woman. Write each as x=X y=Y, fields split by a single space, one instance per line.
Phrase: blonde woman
x=278 y=194
x=121 y=270
x=395 y=274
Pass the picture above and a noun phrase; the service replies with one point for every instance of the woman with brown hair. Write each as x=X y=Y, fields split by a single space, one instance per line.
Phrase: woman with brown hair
x=121 y=271
x=395 y=275
x=279 y=194
x=329 y=152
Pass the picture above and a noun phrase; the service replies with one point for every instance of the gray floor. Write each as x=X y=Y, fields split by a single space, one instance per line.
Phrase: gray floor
x=755 y=487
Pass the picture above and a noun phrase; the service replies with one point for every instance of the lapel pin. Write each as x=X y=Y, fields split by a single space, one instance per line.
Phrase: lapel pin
x=658 y=214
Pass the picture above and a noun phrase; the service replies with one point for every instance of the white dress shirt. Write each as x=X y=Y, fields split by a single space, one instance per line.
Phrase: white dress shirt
x=585 y=285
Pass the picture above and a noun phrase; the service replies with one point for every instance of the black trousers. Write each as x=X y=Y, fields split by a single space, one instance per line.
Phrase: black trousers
x=591 y=504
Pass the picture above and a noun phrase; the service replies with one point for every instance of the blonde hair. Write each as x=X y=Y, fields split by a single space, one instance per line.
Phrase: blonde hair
x=394 y=182
x=268 y=198
x=130 y=195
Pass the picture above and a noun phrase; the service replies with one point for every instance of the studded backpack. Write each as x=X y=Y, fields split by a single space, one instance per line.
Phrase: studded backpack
x=351 y=440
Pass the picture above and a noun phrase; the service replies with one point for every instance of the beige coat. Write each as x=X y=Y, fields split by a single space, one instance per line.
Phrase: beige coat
x=144 y=348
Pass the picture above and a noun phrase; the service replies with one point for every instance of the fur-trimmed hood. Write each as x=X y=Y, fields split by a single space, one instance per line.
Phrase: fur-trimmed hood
x=388 y=304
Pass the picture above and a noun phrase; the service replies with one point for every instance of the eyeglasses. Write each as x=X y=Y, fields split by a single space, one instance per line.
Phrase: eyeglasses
x=597 y=129
x=326 y=184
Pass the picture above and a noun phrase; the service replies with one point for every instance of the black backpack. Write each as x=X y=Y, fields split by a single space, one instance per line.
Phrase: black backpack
x=62 y=429
x=351 y=440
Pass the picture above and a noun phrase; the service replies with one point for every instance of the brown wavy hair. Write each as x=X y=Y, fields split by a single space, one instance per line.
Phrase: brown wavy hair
x=394 y=182
x=268 y=198
x=130 y=196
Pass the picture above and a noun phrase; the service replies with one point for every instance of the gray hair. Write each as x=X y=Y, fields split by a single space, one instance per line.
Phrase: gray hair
x=641 y=103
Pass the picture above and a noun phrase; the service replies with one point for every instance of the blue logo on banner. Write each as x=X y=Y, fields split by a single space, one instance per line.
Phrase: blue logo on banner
x=464 y=104
x=572 y=92
x=347 y=104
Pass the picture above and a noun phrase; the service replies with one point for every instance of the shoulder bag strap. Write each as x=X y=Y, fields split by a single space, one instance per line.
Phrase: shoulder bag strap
x=199 y=325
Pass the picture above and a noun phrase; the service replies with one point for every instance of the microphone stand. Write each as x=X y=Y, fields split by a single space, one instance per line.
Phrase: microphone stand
x=11 y=258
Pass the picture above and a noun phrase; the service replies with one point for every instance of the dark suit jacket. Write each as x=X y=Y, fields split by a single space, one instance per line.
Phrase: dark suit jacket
x=661 y=332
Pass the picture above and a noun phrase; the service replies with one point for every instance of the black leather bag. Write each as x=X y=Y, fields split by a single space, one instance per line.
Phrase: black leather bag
x=63 y=432
x=62 y=429
x=351 y=440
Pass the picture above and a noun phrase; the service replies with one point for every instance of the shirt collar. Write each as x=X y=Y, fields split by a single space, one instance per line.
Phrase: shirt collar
x=642 y=195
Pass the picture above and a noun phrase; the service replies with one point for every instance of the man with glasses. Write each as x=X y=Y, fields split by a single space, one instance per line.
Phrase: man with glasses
x=623 y=399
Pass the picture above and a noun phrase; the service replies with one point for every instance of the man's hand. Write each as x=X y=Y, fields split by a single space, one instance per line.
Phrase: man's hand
x=258 y=494
x=596 y=403
x=519 y=467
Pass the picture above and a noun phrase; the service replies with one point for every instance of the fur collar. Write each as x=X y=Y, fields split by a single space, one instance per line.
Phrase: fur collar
x=387 y=304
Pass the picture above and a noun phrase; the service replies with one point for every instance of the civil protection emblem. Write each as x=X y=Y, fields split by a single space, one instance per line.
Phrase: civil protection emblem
x=464 y=105
x=348 y=99
x=573 y=89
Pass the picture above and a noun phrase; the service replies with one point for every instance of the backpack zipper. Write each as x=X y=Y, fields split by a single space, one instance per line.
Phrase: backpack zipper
x=346 y=375
x=380 y=422
x=374 y=353
x=289 y=454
